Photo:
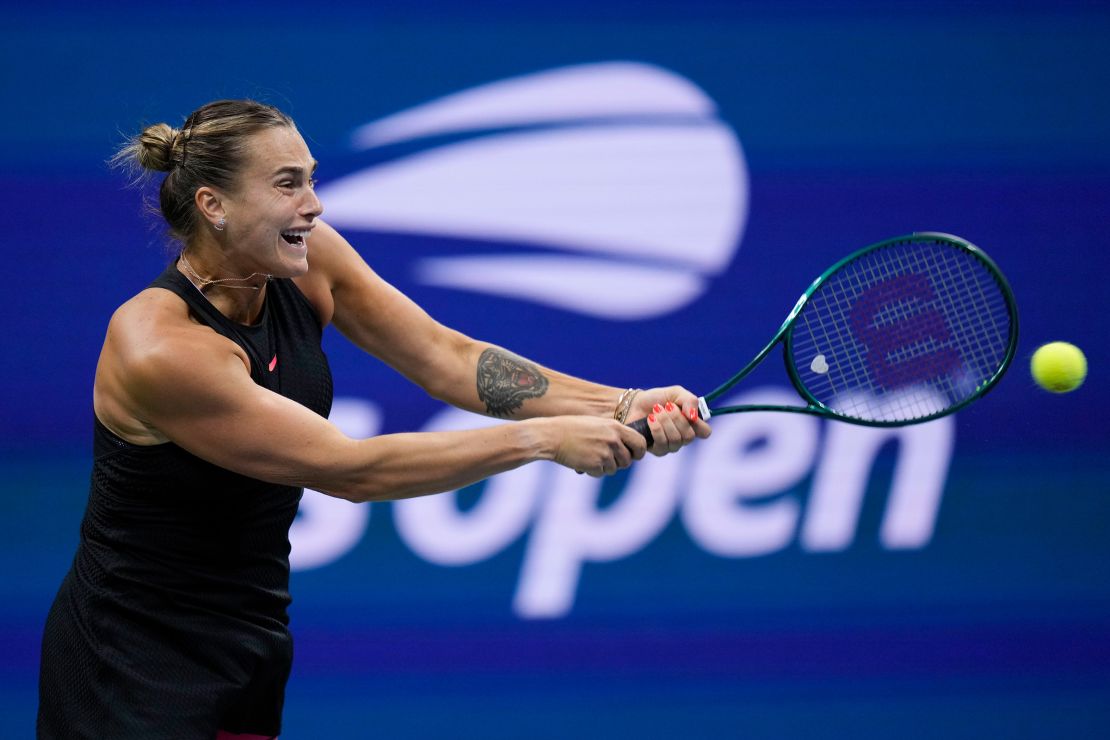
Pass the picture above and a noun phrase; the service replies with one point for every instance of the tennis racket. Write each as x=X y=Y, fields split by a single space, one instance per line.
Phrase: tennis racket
x=901 y=332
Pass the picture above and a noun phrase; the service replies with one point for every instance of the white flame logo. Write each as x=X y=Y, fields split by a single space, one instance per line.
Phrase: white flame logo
x=623 y=189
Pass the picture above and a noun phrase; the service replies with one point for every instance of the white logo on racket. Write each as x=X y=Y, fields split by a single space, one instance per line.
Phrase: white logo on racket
x=595 y=176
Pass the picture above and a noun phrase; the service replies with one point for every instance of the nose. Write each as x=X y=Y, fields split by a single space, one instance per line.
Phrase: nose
x=312 y=206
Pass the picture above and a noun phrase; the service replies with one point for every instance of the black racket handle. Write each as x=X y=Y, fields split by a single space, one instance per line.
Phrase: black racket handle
x=641 y=426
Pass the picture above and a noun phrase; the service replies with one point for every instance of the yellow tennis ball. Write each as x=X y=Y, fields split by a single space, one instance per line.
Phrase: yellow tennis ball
x=1059 y=367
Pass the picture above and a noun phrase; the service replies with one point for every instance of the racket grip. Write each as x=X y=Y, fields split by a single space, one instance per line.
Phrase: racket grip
x=641 y=426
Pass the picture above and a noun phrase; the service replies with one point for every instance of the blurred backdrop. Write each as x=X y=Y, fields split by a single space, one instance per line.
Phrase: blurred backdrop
x=635 y=192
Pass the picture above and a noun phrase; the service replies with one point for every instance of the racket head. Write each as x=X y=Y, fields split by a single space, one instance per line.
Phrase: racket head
x=902 y=332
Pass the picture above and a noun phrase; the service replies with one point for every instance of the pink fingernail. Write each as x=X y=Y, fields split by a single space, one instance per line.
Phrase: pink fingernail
x=657 y=409
x=670 y=406
x=651 y=418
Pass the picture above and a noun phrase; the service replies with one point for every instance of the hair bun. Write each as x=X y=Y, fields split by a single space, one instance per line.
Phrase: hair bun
x=156 y=147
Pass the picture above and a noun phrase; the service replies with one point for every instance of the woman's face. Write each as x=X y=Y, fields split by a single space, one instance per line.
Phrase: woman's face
x=275 y=207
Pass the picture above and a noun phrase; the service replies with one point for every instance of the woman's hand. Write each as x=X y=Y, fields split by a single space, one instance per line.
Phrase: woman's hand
x=591 y=445
x=672 y=415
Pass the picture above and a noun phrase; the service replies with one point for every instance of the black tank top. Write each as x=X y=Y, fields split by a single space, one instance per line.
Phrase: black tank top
x=172 y=621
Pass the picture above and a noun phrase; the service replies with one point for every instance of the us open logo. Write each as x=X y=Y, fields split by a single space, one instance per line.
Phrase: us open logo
x=593 y=175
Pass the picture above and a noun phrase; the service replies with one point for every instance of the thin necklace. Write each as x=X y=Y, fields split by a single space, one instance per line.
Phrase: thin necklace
x=205 y=282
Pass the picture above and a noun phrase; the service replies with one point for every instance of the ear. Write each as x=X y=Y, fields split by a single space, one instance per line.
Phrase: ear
x=209 y=203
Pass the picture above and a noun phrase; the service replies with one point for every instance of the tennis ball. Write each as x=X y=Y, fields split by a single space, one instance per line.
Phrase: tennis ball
x=1058 y=367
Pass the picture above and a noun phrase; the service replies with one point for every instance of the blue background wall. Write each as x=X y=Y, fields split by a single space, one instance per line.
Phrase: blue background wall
x=858 y=121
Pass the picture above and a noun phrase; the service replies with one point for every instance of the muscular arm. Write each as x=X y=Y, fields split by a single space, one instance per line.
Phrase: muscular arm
x=166 y=377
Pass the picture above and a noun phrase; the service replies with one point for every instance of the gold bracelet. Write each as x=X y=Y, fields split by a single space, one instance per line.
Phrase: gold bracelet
x=624 y=404
x=621 y=411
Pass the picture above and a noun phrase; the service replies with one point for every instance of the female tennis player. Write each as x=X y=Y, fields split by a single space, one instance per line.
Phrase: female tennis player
x=211 y=401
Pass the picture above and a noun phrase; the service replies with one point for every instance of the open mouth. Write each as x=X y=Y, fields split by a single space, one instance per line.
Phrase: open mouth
x=295 y=238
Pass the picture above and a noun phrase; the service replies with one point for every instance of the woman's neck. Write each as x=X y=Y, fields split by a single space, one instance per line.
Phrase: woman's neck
x=237 y=296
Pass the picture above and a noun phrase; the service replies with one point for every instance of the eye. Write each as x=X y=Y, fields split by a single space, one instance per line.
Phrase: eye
x=312 y=182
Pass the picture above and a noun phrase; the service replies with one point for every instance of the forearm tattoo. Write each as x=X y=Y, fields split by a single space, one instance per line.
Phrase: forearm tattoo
x=506 y=381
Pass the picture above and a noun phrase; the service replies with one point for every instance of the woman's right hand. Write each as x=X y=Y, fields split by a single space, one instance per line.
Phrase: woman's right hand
x=592 y=445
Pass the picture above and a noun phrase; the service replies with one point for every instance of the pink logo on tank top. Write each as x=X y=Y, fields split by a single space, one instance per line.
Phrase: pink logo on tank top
x=273 y=363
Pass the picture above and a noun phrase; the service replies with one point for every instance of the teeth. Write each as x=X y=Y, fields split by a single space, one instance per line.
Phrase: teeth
x=298 y=234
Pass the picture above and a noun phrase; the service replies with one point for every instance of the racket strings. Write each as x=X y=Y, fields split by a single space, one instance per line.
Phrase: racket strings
x=902 y=332
x=979 y=315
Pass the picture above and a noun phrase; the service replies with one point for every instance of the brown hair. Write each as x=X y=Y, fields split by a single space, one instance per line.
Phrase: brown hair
x=209 y=149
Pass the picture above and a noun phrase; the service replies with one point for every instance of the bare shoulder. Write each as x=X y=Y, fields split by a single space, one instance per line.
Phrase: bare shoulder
x=330 y=254
x=333 y=263
x=154 y=351
x=375 y=315
x=156 y=326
